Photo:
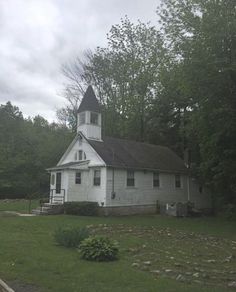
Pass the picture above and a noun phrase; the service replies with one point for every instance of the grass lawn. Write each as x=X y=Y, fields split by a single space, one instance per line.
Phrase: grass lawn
x=21 y=206
x=199 y=252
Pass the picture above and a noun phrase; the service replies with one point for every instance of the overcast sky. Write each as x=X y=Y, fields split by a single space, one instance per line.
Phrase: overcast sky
x=38 y=36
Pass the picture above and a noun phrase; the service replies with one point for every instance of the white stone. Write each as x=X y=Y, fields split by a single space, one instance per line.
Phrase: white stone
x=196 y=275
x=232 y=284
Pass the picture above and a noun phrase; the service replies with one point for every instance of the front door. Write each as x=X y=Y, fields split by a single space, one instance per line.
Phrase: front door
x=58 y=183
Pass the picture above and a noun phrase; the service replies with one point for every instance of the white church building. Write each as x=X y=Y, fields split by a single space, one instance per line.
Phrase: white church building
x=123 y=176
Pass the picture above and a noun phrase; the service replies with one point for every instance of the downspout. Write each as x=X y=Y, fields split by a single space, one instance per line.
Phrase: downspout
x=187 y=164
x=113 y=183
x=113 y=194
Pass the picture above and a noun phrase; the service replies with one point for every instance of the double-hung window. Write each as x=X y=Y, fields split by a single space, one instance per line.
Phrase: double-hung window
x=156 y=179
x=78 y=178
x=97 y=177
x=178 y=181
x=80 y=154
x=94 y=118
x=130 y=178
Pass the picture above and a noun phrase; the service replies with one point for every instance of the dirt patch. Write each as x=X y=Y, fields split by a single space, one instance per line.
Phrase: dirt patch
x=13 y=213
x=23 y=287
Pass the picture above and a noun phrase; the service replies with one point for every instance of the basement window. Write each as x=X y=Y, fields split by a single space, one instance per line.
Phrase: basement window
x=177 y=181
x=130 y=178
x=97 y=177
x=78 y=178
x=156 y=179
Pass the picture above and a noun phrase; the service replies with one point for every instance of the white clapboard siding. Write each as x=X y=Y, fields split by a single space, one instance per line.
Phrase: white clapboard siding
x=86 y=191
x=144 y=192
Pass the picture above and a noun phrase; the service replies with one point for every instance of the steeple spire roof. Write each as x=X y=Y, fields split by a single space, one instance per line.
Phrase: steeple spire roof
x=89 y=102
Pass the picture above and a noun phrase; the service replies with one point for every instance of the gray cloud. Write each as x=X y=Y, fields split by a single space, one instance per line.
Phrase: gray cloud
x=38 y=36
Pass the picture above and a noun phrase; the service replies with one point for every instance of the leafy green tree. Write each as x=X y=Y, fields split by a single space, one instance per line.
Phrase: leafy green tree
x=174 y=86
x=201 y=36
x=124 y=75
x=27 y=148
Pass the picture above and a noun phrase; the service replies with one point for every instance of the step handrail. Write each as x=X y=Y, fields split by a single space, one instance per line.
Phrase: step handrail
x=52 y=196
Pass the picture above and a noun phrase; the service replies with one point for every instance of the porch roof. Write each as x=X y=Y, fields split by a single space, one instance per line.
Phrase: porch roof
x=71 y=165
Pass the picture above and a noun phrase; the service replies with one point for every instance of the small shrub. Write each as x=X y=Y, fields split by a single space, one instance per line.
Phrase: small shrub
x=81 y=208
x=70 y=237
x=96 y=248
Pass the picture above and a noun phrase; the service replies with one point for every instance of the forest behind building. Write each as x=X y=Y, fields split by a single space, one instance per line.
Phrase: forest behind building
x=172 y=84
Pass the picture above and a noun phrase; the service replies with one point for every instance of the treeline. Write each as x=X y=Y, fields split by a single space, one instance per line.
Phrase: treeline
x=27 y=148
x=173 y=84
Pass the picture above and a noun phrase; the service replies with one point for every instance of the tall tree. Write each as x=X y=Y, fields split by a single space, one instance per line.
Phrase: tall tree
x=201 y=36
x=124 y=75
x=27 y=148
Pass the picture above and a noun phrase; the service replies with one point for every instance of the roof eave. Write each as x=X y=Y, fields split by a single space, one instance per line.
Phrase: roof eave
x=182 y=171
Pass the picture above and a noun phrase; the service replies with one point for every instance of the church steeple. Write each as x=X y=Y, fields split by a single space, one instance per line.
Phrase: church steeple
x=89 y=116
x=89 y=102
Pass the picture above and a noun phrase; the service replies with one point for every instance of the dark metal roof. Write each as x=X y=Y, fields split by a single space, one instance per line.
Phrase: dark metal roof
x=89 y=102
x=131 y=154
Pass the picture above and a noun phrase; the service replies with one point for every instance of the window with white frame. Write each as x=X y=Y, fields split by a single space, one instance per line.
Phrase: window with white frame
x=178 y=181
x=97 y=177
x=81 y=118
x=130 y=178
x=52 y=179
x=78 y=178
x=156 y=179
x=58 y=182
x=80 y=155
x=94 y=118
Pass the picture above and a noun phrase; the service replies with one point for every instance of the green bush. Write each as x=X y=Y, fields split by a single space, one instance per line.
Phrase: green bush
x=70 y=237
x=81 y=208
x=97 y=248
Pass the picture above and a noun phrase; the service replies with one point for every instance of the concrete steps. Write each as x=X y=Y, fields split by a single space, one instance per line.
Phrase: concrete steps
x=49 y=209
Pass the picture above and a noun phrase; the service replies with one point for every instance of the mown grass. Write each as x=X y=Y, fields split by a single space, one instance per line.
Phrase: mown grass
x=21 y=206
x=29 y=254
